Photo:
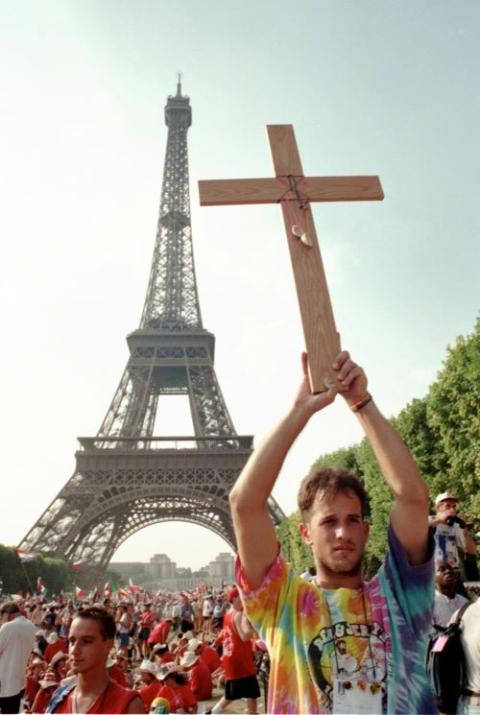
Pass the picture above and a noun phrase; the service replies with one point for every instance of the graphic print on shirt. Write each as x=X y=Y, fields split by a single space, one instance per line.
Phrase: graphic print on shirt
x=352 y=657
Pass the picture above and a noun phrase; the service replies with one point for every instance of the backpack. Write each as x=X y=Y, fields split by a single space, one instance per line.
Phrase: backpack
x=446 y=665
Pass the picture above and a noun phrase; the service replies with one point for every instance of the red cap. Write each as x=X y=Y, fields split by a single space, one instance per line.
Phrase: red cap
x=233 y=594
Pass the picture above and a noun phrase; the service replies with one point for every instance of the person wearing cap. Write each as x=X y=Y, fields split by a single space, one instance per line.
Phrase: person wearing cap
x=384 y=622
x=91 y=639
x=453 y=541
x=175 y=689
x=199 y=678
x=35 y=673
x=59 y=665
x=116 y=668
x=207 y=654
x=150 y=683
x=238 y=659
x=17 y=640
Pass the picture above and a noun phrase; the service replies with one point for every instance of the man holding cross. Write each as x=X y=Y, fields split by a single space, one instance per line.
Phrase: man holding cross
x=339 y=644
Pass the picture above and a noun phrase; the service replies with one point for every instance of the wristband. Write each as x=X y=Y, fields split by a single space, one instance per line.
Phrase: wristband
x=360 y=405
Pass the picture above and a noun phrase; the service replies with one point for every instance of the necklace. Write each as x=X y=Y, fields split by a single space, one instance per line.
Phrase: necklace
x=74 y=703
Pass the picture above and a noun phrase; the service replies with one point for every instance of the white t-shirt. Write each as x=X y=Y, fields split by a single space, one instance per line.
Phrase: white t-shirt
x=17 y=639
x=207 y=609
x=444 y=608
x=470 y=626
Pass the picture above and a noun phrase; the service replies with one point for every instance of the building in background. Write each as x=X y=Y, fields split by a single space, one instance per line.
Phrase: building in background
x=163 y=574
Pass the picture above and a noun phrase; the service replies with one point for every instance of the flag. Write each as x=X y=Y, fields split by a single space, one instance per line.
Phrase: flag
x=77 y=564
x=132 y=588
x=40 y=587
x=24 y=556
x=79 y=592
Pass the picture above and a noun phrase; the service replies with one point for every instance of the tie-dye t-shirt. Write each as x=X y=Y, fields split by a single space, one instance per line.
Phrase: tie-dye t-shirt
x=367 y=639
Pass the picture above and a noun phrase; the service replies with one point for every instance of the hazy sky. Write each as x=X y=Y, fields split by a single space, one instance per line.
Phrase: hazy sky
x=371 y=87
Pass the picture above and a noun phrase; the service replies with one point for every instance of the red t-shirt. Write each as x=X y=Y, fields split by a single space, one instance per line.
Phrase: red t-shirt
x=210 y=657
x=237 y=659
x=114 y=700
x=117 y=673
x=160 y=633
x=180 y=698
x=200 y=681
x=42 y=699
x=146 y=619
x=32 y=687
x=148 y=693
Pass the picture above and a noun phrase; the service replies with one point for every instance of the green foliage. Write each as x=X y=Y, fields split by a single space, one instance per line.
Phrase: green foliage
x=454 y=412
x=294 y=549
x=53 y=572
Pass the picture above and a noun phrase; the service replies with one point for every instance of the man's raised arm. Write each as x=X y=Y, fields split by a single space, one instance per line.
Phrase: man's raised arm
x=256 y=539
x=409 y=517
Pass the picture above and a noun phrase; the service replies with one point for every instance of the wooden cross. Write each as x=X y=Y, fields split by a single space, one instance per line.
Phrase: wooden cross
x=294 y=192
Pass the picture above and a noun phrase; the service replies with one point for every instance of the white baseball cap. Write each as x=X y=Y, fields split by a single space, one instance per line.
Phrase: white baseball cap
x=444 y=496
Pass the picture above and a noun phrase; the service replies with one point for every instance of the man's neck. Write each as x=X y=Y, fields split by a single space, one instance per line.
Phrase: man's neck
x=92 y=682
x=449 y=594
x=337 y=580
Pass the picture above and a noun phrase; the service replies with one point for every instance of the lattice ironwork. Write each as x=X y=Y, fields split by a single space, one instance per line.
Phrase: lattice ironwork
x=126 y=478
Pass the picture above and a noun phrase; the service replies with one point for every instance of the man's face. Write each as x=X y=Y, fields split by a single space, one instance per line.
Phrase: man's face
x=337 y=533
x=87 y=648
x=445 y=576
x=447 y=507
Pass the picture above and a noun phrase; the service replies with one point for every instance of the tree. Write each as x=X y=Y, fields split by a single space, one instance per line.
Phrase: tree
x=454 y=411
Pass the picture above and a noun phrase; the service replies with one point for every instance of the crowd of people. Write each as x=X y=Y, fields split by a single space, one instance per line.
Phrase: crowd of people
x=162 y=653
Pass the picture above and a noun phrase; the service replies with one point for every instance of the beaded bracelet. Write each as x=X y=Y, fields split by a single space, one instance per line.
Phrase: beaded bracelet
x=360 y=405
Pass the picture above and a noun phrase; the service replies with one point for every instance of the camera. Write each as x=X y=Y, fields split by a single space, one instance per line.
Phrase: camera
x=451 y=520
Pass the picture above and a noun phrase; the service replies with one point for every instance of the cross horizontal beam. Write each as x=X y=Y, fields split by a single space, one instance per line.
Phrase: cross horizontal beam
x=271 y=191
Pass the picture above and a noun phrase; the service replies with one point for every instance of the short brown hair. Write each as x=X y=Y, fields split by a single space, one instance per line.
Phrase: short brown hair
x=331 y=481
x=9 y=607
x=104 y=619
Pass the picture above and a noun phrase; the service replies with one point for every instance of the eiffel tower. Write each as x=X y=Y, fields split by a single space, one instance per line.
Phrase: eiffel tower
x=126 y=478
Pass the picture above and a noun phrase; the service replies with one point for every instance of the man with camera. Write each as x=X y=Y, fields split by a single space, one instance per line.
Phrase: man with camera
x=453 y=542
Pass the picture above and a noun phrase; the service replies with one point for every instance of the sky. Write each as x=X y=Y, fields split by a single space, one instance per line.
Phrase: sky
x=371 y=87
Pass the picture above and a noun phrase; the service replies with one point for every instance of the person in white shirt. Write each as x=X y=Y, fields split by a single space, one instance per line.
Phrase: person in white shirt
x=469 y=703
x=447 y=601
x=453 y=541
x=17 y=640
